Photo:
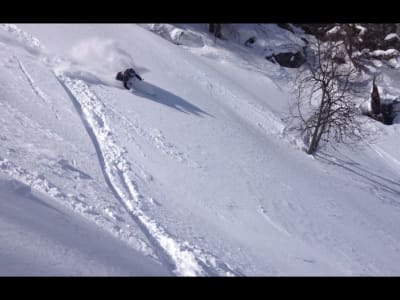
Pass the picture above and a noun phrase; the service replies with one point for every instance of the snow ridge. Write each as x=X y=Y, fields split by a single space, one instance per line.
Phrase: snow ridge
x=29 y=42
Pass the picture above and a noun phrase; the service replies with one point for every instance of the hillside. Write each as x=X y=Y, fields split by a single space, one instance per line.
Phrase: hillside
x=193 y=169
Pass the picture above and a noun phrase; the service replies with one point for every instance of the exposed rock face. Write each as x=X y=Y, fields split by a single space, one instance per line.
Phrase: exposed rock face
x=285 y=26
x=288 y=59
x=317 y=29
x=370 y=36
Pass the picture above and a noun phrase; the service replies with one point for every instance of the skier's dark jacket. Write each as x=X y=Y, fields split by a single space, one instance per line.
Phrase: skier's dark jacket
x=125 y=76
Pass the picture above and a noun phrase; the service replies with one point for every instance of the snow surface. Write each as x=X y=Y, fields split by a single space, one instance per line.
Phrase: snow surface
x=40 y=237
x=387 y=52
x=391 y=36
x=192 y=173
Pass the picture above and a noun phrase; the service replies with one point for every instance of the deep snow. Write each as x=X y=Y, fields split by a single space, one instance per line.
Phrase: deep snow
x=194 y=169
x=40 y=237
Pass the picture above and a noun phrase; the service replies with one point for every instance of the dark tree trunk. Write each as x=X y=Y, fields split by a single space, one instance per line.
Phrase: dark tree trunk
x=218 y=30
x=211 y=27
x=375 y=100
x=314 y=142
x=215 y=28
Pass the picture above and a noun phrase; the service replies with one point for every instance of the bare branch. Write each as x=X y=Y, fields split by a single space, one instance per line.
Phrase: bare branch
x=334 y=117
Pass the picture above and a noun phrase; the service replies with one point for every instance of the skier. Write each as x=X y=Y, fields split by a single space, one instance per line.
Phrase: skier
x=126 y=76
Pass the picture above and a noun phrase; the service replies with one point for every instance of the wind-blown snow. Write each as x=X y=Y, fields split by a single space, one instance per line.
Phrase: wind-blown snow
x=195 y=167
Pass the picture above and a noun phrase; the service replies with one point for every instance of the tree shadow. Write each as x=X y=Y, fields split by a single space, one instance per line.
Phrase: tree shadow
x=378 y=181
x=161 y=96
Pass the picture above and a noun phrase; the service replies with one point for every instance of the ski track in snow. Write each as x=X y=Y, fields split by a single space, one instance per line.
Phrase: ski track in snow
x=184 y=258
x=36 y=89
x=40 y=183
x=29 y=43
x=257 y=115
x=124 y=177
x=386 y=156
x=274 y=224
x=155 y=137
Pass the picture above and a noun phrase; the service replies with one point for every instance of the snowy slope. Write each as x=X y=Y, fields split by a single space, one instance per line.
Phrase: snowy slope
x=40 y=237
x=194 y=168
